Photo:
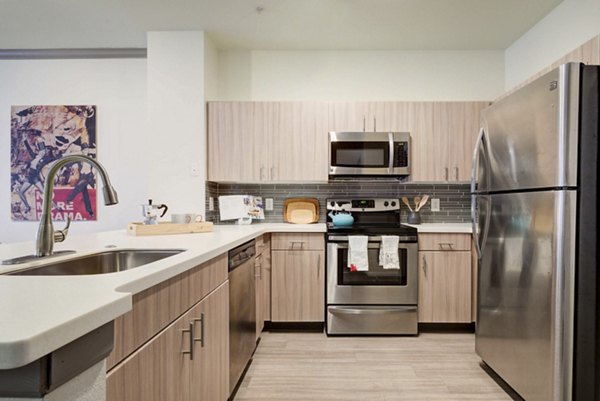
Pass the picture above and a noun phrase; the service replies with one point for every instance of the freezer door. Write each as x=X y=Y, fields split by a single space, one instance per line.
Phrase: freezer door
x=525 y=285
x=532 y=133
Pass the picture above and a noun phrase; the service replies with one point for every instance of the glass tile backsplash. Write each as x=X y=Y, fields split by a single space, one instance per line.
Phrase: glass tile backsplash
x=454 y=198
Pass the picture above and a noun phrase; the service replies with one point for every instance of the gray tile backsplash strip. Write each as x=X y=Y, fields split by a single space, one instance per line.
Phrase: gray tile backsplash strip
x=455 y=201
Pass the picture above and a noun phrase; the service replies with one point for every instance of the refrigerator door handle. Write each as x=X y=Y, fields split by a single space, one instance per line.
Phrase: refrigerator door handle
x=479 y=245
x=474 y=222
x=473 y=196
x=474 y=162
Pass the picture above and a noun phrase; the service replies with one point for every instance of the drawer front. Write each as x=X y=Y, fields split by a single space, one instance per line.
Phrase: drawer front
x=372 y=319
x=444 y=242
x=298 y=241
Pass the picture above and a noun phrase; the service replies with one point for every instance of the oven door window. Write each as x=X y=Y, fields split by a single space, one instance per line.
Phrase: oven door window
x=376 y=275
x=360 y=154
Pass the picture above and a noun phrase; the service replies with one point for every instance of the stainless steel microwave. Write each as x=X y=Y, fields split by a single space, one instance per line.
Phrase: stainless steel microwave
x=369 y=153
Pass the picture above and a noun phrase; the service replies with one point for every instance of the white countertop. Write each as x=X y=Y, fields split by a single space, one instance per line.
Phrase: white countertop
x=39 y=314
x=457 y=228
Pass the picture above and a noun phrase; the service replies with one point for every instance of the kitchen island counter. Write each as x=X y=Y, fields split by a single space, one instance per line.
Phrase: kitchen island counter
x=39 y=314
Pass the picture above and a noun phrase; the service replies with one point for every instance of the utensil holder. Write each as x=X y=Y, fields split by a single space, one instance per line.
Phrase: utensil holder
x=413 y=218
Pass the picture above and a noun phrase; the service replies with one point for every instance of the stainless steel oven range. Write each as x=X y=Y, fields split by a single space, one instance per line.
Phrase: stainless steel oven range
x=376 y=301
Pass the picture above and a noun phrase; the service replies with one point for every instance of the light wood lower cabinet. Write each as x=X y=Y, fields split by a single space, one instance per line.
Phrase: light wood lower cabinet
x=209 y=377
x=158 y=306
x=187 y=361
x=262 y=268
x=445 y=288
x=297 y=286
x=266 y=278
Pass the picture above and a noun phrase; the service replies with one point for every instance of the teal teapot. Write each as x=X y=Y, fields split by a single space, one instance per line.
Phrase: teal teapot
x=341 y=219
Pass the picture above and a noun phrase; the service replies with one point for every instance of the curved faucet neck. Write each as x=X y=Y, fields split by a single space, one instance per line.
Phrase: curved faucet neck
x=45 y=234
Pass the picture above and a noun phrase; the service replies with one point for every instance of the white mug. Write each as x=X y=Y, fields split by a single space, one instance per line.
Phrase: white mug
x=186 y=218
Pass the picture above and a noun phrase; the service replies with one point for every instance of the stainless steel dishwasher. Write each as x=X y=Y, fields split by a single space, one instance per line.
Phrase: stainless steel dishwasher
x=242 y=310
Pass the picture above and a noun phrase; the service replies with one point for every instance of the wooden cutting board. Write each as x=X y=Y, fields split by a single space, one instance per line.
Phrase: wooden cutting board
x=301 y=210
x=167 y=228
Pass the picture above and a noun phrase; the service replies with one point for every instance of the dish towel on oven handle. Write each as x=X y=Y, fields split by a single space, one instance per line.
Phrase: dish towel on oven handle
x=388 y=253
x=357 y=252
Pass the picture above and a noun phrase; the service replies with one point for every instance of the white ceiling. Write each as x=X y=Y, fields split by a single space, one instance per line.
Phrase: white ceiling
x=282 y=24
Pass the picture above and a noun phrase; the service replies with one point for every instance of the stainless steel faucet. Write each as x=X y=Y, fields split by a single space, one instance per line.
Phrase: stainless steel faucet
x=46 y=235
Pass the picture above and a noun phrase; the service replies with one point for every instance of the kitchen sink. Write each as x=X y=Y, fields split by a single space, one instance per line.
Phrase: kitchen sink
x=100 y=263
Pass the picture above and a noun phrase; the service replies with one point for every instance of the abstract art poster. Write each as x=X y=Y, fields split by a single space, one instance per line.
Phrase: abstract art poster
x=40 y=135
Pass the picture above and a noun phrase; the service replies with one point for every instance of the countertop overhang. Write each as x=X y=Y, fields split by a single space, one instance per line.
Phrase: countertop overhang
x=39 y=314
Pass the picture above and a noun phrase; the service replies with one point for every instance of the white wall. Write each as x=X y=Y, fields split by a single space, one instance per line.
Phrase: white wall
x=118 y=88
x=568 y=26
x=211 y=69
x=235 y=75
x=361 y=75
x=177 y=121
x=151 y=124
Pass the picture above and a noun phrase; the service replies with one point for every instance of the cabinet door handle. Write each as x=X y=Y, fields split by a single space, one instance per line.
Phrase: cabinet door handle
x=190 y=332
x=449 y=244
x=262 y=173
x=318 y=265
x=272 y=173
x=446 y=173
x=424 y=266
x=258 y=268
x=201 y=339
x=293 y=243
x=456 y=173
x=374 y=124
x=364 y=123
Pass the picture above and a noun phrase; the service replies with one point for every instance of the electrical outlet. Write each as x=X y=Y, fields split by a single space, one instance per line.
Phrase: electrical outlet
x=269 y=204
x=435 y=205
x=195 y=170
x=211 y=204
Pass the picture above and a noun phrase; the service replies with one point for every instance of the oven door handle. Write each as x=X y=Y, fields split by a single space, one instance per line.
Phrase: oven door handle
x=369 y=246
x=342 y=310
x=344 y=238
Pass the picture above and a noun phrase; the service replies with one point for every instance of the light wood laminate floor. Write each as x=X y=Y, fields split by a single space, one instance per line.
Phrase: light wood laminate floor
x=311 y=366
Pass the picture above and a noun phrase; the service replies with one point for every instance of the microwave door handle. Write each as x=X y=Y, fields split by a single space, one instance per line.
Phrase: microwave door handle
x=391 y=161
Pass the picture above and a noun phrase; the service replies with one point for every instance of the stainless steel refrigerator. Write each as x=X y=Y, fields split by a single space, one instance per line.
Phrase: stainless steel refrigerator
x=534 y=200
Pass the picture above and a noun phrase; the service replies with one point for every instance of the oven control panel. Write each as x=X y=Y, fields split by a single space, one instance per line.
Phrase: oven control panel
x=363 y=205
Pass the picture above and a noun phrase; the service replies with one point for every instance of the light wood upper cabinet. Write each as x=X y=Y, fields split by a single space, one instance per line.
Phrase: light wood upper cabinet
x=424 y=160
x=288 y=141
x=350 y=116
x=456 y=125
x=301 y=142
x=267 y=141
x=231 y=139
